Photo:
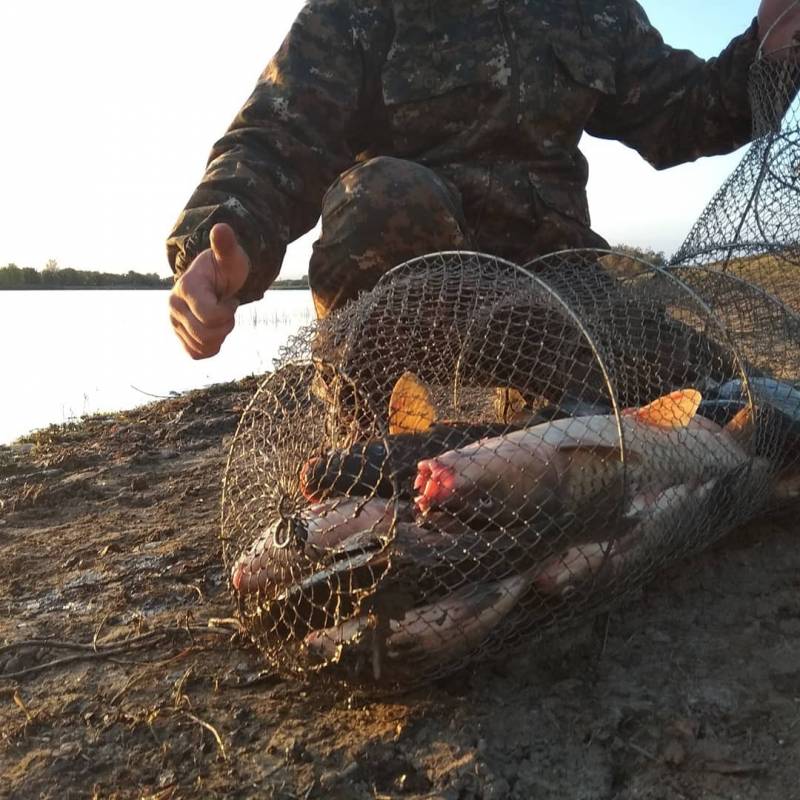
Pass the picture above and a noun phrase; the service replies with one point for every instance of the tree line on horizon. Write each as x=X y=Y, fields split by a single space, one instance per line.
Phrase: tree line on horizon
x=14 y=277
x=55 y=277
x=627 y=260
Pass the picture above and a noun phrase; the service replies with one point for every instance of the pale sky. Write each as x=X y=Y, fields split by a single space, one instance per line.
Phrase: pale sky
x=109 y=111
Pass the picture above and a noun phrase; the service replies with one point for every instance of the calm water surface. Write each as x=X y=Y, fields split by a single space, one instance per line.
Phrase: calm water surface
x=70 y=353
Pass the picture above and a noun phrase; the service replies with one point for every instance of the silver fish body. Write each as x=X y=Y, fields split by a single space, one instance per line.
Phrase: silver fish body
x=434 y=632
x=782 y=396
x=576 y=465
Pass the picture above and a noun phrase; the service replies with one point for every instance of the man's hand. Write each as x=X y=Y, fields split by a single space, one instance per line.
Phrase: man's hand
x=786 y=30
x=203 y=302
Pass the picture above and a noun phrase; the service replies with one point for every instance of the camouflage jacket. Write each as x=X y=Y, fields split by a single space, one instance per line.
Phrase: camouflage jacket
x=492 y=94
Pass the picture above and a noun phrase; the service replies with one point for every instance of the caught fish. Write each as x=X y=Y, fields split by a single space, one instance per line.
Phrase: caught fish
x=418 y=563
x=577 y=464
x=776 y=418
x=668 y=523
x=559 y=575
x=782 y=396
x=329 y=644
x=437 y=631
x=512 y=407
x=435 y=554
x=720 y=411
x=290 y=548
x=456 y=623
x=659 y=517
x=386 y=467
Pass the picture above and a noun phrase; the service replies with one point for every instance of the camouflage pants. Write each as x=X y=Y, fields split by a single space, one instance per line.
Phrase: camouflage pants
x=377 y=215
x=386 y=211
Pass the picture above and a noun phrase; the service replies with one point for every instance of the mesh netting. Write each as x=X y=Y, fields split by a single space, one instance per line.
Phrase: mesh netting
x=751 y=228
x=475 y=452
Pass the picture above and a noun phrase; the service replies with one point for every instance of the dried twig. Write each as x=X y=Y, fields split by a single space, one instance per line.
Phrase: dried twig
x=606 y=628
x=57 y=644
x=212 y=730
x=102 y=651
x=21 y=705
x=178 y=696
x=641 y=751
x=733 y=768
x=99 y=628
x=130 y=683
x=187 y=651
x=150 y=394
x=310 y=789
x=54 y=643
x=87 y=655
x=226 y=623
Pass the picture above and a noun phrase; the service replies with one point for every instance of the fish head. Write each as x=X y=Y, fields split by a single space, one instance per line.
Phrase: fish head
x=458 y=489
x=480 y=486
x=357 y=471
x=272 y=558
x=313 y=478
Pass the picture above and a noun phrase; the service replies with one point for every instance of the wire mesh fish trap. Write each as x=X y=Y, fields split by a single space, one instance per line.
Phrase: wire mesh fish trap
x=476 y=453
x=751 y=227
x=413 y=490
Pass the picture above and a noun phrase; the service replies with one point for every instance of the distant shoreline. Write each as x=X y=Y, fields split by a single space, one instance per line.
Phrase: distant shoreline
x=274 y=287
x=54 y=278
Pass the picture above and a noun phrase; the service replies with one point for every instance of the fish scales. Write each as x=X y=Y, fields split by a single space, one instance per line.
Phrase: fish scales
x=575 y=464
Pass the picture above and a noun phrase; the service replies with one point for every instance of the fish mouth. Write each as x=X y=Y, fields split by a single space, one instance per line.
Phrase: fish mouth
x=435 y=483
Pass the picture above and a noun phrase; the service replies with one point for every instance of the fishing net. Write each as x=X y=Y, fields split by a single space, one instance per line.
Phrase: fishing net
x=476 y=453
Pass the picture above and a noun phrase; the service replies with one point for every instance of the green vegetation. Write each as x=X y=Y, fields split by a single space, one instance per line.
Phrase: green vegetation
x=654 y=257
x=292 y=283
x=54 y=277
x=626 y=262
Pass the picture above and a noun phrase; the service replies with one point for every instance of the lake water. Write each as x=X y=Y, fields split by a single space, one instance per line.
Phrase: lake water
x=70 y=353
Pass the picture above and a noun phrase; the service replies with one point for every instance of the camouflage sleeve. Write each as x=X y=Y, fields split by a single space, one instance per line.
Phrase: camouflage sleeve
x=297 y=131
x=672 y=106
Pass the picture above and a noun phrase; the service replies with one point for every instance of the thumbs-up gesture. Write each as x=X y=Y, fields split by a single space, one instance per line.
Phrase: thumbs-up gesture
x=779 y=22
x=203 y=301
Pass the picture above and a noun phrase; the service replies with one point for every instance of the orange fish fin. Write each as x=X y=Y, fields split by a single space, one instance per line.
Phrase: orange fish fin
x=741 y=427
x=674 y=410
x=509 y=403
x=410 y=406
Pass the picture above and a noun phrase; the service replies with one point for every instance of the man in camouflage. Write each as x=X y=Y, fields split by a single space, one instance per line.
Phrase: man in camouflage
x=414 y=126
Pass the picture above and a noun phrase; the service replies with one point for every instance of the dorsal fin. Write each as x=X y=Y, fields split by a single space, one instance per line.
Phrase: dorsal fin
x=674 y=410
x=410 y=406
x=741 y=427
x=508 y=403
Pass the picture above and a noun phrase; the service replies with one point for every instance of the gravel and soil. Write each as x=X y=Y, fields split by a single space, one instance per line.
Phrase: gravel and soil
x=110 y=566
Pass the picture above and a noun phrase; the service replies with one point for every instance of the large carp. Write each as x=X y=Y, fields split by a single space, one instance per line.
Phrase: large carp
x=582 y=464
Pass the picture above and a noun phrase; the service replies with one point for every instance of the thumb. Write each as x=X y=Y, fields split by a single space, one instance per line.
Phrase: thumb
x=232 y=262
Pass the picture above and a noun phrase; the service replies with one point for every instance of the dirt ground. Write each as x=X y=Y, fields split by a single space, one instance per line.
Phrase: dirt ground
x=110 y=564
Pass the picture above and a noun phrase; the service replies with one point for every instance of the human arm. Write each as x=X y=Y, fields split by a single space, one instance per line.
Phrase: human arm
x=298 y=130
x=203 y=302
x=670 y=105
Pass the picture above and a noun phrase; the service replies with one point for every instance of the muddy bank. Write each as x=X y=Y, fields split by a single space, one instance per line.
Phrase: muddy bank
x=108 y=549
